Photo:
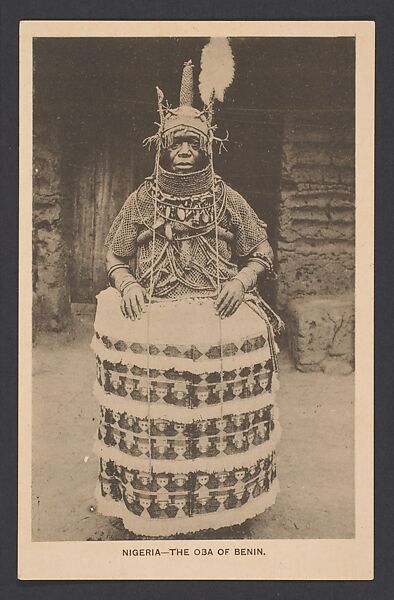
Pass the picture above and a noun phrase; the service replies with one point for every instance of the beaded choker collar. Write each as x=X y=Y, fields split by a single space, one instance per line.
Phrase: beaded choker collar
x=185 y=184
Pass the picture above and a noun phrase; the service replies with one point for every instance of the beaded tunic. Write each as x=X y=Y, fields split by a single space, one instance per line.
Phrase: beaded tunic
x=181 y=233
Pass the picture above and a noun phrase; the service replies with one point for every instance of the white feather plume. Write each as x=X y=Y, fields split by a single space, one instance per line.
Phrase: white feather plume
x=217 y=69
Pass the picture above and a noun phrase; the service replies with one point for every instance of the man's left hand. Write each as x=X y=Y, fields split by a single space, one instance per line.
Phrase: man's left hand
x=230 y=298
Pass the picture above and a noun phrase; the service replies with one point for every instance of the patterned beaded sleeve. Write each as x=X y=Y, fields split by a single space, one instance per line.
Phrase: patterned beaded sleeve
x=122 y=236
x=248 y=229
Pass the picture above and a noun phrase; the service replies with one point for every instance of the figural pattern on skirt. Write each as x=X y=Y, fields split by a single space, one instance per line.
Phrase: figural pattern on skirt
x=186 y=438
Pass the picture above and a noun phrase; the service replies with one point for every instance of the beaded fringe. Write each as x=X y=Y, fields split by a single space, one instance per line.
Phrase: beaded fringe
x=160 y=528
x=209 y=465
x=161 y=361
x=167 y=138
x=182 y=414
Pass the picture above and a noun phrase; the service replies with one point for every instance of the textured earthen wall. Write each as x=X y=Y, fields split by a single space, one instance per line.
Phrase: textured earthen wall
x=51 y=297
x=315 y=250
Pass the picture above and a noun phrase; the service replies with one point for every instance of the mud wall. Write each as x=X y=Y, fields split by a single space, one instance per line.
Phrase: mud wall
x=315 y=249
x=316 y=244
x=51 y=290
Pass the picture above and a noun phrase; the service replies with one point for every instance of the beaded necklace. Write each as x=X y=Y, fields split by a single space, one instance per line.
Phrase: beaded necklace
x=184 y=203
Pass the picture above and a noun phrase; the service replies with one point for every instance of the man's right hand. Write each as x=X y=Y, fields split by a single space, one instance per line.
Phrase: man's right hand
x=133 y=301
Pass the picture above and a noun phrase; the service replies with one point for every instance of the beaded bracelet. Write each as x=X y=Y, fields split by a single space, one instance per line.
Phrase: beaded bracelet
x=248 y=277
x=114 y=268
x=127 y=282
x=126 y=287
x=266 y=262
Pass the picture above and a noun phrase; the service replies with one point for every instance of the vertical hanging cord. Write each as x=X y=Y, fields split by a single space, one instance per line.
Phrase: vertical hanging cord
x=217 y=280
x=150 y=294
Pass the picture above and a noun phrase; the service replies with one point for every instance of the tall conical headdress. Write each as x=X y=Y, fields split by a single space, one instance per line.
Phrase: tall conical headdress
x=186 y=91
x=217 y=72
x=184 y=116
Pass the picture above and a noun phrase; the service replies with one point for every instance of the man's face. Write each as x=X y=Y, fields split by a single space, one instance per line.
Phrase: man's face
x=184 y=155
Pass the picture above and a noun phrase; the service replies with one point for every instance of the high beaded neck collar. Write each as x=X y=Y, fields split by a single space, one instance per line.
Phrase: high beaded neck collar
x=185 y=184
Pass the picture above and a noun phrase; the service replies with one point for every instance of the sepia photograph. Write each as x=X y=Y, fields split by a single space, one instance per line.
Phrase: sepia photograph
x=193 y=302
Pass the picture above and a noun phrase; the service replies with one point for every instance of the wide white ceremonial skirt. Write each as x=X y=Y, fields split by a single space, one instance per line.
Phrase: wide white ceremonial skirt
x=188 y=423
